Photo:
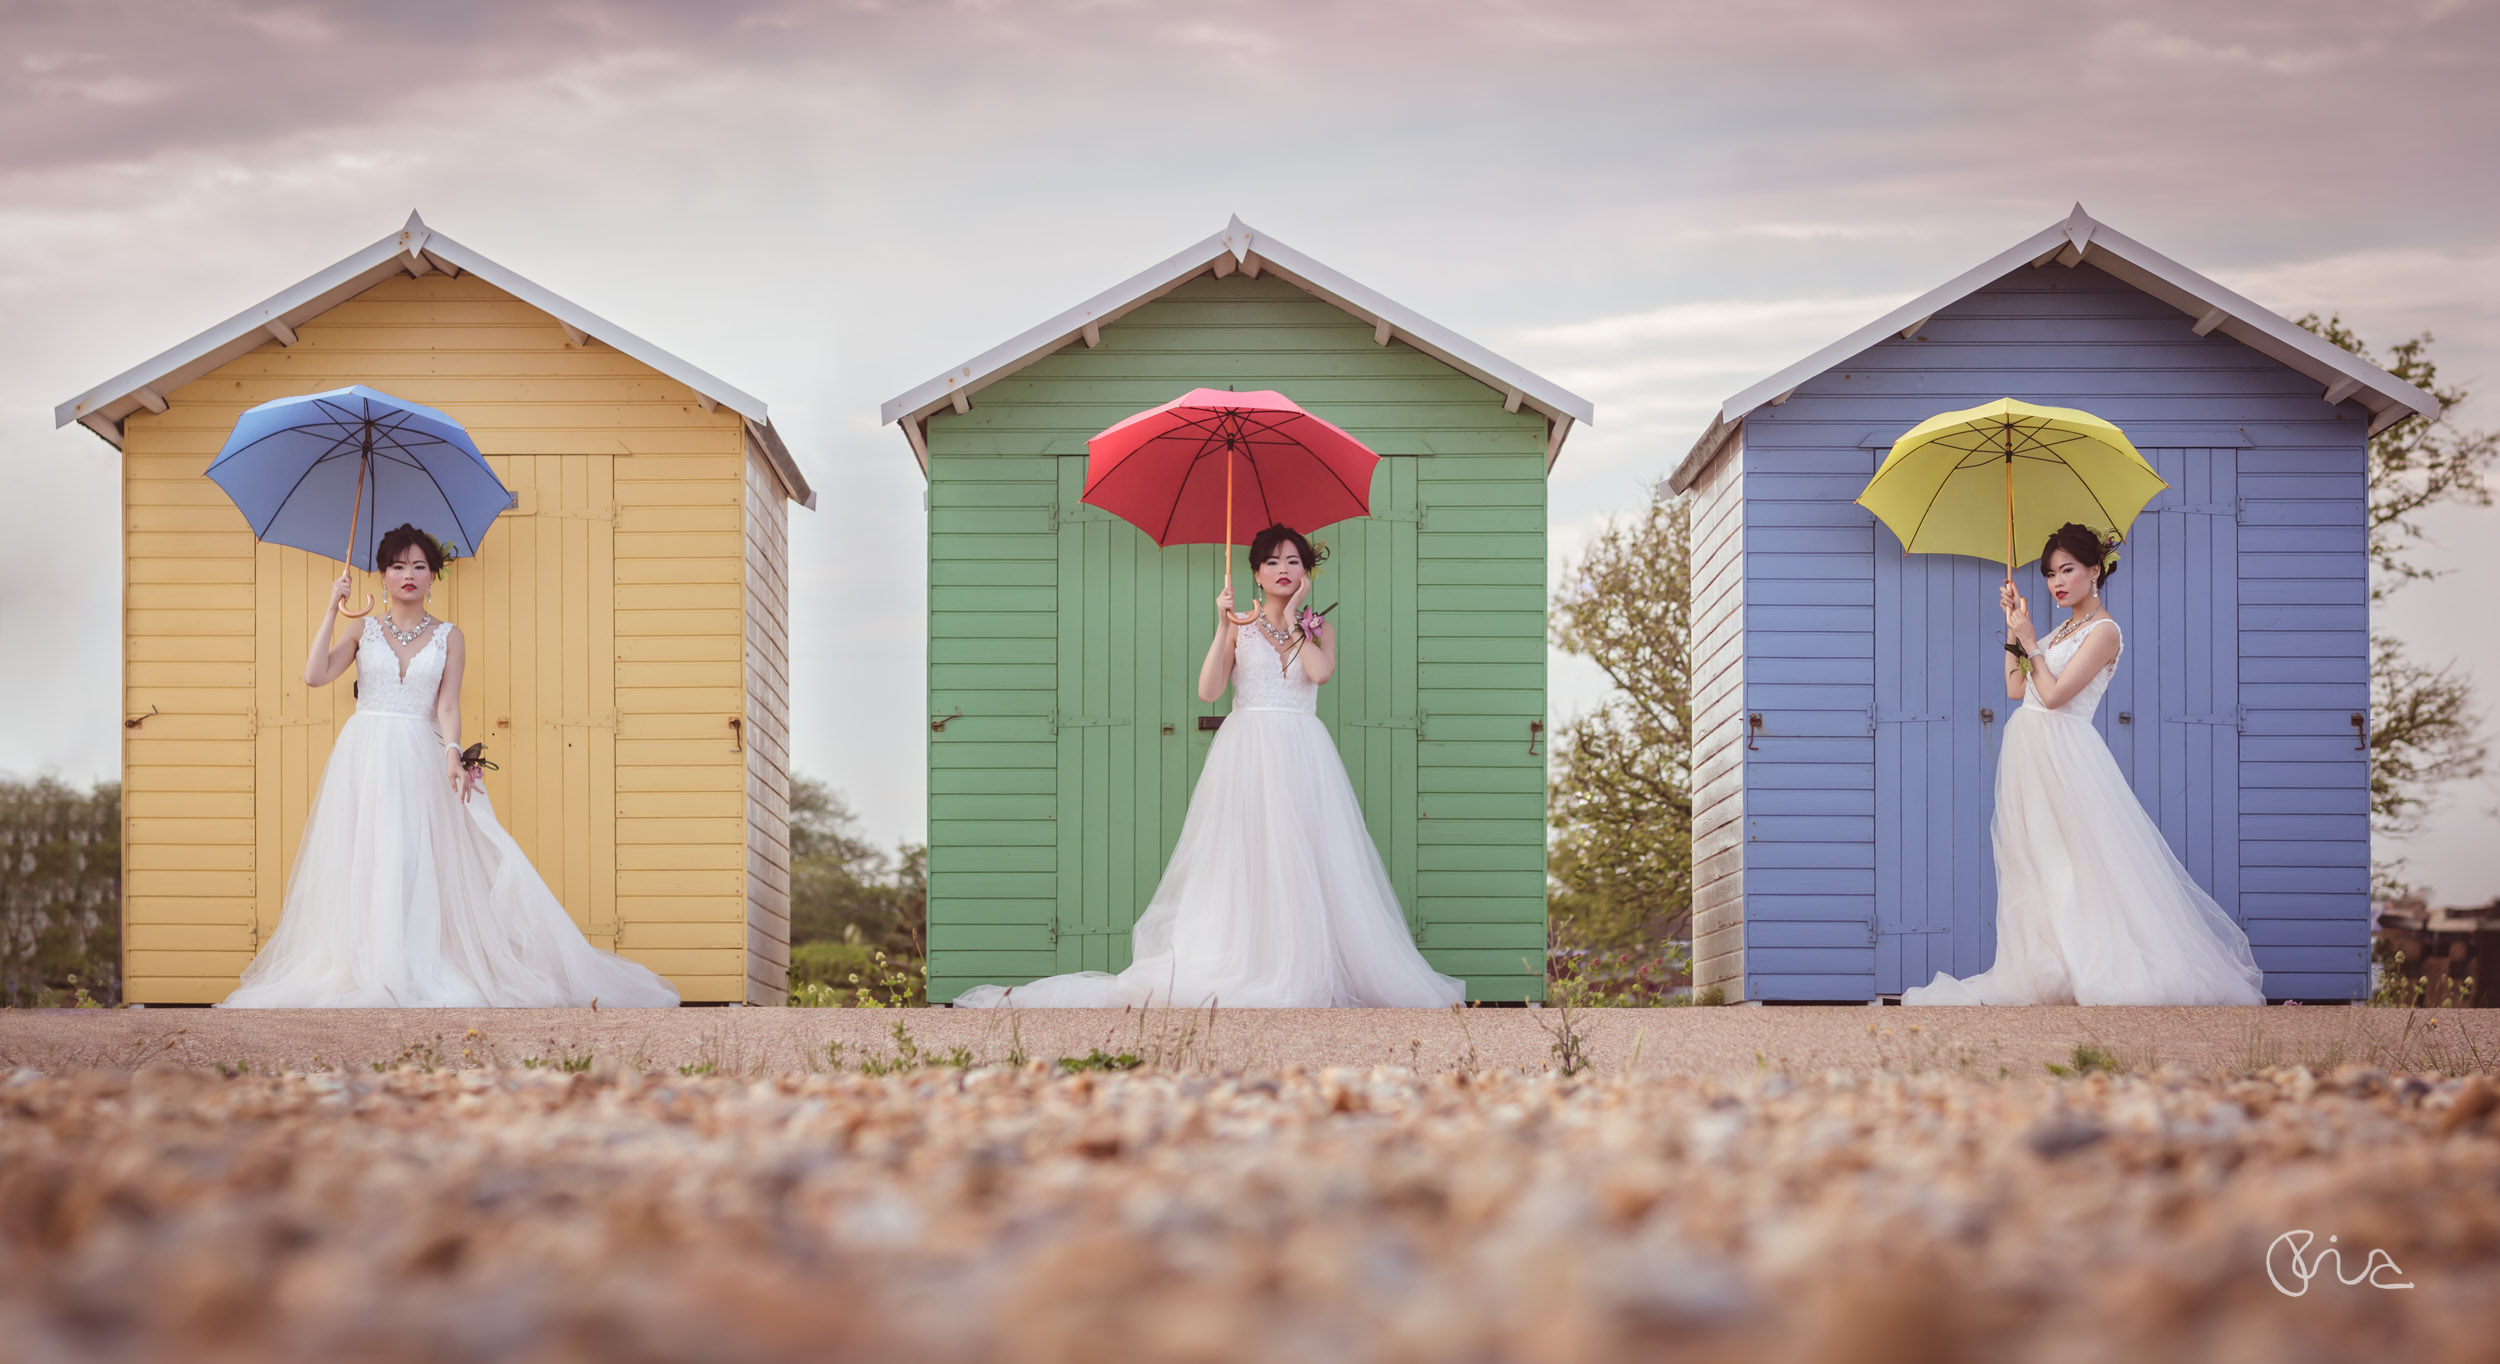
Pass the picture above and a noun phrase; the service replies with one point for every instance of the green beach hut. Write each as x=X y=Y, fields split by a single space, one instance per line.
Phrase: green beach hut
x=1065 y=728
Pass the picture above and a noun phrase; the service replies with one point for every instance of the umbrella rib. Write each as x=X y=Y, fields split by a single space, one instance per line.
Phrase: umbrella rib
x=309 y=465
x=1172 y=513
x=1124 y=462
x=1361 y=499
x=1260 y=481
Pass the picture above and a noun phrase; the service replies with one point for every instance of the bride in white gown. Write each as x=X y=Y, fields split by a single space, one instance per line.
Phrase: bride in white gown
x=407 y=893
x=2092 y=906
x=1275 y=896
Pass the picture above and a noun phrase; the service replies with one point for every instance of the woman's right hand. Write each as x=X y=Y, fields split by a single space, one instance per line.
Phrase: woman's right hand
x=2018 y=622
x=339 y=590
x=1224 y=607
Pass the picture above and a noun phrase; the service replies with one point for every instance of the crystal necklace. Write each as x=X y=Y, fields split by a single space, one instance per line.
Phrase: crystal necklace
x=1287 y=643
x=409 y=636
x=2073 y=624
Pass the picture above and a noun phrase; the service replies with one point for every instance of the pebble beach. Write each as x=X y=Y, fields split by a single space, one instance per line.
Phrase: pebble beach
x=1195 y=1213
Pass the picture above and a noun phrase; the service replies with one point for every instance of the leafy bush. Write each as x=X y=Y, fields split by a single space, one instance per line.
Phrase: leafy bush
x=1637 y=977
x=60 y=893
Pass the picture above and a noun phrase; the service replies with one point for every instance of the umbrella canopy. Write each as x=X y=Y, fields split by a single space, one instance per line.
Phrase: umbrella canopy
x=1986 y=479
x=1215 y=467
x=330 y=472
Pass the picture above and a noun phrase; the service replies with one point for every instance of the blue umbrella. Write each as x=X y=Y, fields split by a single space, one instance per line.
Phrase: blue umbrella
x=297 y=467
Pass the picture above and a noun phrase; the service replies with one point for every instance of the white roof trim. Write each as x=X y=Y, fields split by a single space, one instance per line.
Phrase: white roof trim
x=2082 y=239
x=414 y=249
x=1233 y=246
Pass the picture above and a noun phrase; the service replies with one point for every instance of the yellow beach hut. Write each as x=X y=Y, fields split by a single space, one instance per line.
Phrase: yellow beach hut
x=628 y=621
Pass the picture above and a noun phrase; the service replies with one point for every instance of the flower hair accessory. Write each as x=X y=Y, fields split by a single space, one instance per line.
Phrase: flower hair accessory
x=2109 y=551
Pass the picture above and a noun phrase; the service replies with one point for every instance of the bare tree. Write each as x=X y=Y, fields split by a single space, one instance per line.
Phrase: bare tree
x=2424 y=726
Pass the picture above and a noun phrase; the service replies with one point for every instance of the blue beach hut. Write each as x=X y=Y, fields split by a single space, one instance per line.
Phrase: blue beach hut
x=1846 y=706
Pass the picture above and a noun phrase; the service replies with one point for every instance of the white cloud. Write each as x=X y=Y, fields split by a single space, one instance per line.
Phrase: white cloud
x=1654 y=204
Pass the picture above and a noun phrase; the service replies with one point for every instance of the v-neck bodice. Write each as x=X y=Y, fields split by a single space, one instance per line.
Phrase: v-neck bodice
x=1264 y=680
x=2084 y=703
x=386 y=684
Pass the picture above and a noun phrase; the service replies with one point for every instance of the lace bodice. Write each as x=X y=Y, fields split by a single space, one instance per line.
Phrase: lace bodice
x=2084 y=703
x=379 y=687
x=1258 y=684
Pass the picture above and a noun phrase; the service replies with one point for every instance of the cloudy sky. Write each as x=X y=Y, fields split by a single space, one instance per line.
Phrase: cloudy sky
x=1654 y=204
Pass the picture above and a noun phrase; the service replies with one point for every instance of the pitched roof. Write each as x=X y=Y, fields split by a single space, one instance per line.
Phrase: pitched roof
x=2082 y=238
x=415 y=249
x=1239 y=247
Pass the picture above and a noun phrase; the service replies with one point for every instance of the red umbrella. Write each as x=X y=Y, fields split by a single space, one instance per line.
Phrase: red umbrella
x=1172 y=471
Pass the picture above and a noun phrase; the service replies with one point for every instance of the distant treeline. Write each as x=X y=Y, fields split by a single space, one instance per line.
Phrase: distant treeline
x=60 y=892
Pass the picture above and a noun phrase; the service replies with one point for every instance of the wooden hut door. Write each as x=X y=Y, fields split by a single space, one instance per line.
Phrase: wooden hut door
x=1939 y=713
x=2169 y=716
x=1371 y=704
x=538 y=605
x=1132 y=736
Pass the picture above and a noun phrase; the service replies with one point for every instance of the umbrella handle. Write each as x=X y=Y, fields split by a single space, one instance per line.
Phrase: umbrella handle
x=349 y=563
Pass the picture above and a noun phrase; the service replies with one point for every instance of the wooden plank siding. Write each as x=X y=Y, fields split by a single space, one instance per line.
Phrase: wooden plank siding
x=2243 y=594
x=1719 y=734
x=603 y=616
x=767 y=731
x=1071 y=644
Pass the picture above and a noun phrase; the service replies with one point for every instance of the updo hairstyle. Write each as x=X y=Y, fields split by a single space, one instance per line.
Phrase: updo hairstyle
x=2091 y=548
x=1265 y=542
x=403 y=538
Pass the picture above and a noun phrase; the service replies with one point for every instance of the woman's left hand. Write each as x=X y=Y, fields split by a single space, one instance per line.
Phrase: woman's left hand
x=459 y=777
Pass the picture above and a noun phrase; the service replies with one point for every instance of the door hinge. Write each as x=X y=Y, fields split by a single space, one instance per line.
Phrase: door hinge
x=1059 y=722
x=1416 y=722
x=2233 y=719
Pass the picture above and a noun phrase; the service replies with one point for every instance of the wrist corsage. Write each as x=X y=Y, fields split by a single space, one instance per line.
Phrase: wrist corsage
x=1312 y=622
x=474 y=759
x=2022 y=659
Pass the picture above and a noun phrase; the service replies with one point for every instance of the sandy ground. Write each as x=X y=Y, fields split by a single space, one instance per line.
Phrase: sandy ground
x=1724 y=1042
x=1018 y=1214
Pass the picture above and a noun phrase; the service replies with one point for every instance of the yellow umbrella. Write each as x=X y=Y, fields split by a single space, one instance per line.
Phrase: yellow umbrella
x=1988 y=477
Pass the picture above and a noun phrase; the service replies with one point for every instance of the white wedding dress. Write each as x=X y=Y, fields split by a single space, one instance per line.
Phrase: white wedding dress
x=1275 y=896
x=2092 y=906
x=403 y=897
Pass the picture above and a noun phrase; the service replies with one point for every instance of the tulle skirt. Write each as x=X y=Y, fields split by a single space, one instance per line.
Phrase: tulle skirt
x=403 y=897
x=2092 y=906
x=1274 y=897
